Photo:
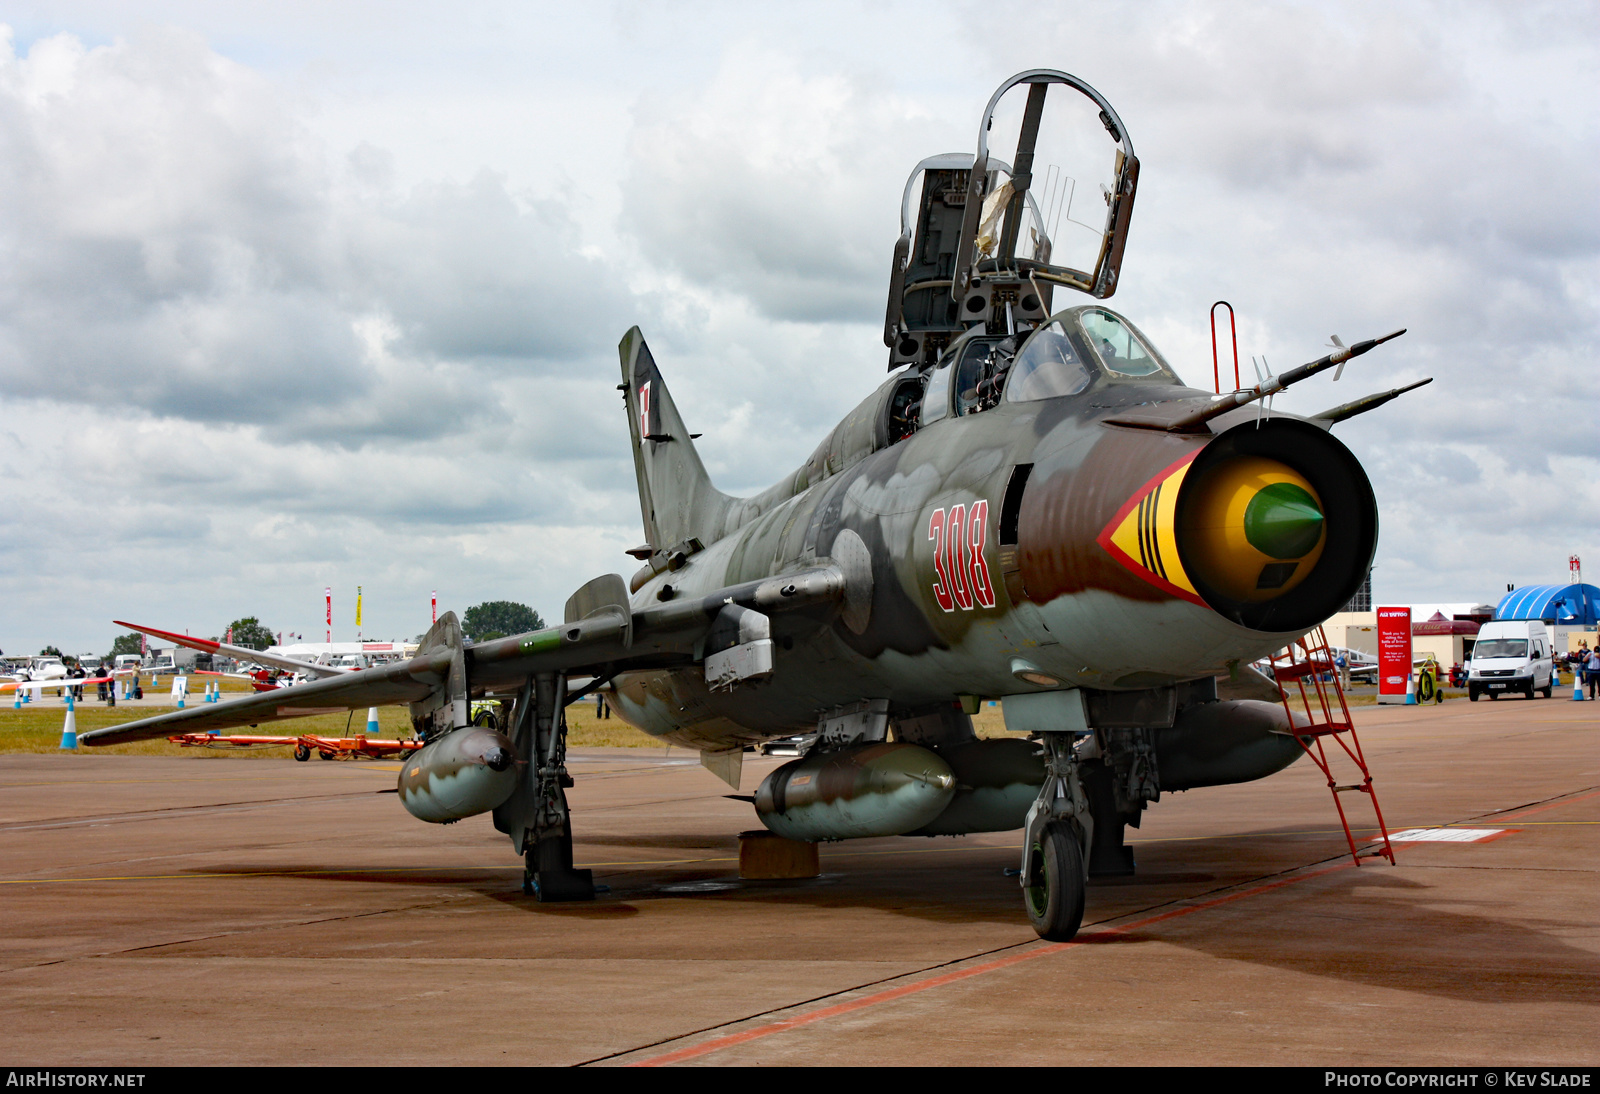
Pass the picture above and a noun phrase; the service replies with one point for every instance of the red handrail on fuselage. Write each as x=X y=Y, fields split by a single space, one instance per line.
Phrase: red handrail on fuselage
x=1216 y=372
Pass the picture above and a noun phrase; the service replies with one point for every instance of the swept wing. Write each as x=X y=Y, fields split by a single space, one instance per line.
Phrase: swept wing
x=602 y=636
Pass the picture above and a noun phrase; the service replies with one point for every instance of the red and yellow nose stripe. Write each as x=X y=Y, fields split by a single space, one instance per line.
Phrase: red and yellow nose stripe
x=1143 y=534
x=1251 y=530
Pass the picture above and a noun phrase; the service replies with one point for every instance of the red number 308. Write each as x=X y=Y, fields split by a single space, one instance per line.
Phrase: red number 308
x=962 y=573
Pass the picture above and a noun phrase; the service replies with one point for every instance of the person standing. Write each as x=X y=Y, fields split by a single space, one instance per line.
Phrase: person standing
x=1592 y=672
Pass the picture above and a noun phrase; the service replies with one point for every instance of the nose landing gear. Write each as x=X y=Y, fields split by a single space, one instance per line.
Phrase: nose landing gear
x=1056 y=840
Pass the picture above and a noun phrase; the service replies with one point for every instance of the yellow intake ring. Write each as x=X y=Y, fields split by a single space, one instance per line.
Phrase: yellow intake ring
x=1253 y=529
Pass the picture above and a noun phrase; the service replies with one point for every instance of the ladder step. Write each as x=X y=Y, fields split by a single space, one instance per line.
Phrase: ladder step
x=1326 y=730
x=1351 y=786
x=1301 y=669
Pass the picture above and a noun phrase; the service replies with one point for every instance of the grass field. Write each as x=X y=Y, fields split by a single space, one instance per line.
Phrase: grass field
x=37 y=726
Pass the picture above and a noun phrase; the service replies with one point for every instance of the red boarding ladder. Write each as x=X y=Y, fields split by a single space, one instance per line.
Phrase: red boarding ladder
x=1310 y=659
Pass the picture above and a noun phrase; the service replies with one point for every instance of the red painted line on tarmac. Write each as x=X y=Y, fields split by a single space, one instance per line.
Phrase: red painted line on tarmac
x=961 y=974
x=1540 y=808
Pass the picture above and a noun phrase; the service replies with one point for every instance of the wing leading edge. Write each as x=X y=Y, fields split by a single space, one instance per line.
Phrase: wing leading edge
x=602 y=636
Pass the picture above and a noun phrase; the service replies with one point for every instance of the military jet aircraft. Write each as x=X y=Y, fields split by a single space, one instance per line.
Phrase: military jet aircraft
x=1032 y=507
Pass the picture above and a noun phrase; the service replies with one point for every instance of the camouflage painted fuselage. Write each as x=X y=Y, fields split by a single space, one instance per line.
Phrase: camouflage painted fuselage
x=1053 y=597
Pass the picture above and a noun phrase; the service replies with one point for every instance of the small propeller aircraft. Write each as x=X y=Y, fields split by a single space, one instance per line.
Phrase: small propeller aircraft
x=1032 y=507
x=43 y=667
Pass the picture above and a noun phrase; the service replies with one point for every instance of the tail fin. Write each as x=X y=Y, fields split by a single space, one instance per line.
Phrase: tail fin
x=676 y=497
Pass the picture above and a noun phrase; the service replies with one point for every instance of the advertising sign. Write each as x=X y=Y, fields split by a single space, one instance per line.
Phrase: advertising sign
x=1394 y=653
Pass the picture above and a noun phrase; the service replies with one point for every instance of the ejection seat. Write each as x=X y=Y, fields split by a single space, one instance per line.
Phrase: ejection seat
x=992 y=240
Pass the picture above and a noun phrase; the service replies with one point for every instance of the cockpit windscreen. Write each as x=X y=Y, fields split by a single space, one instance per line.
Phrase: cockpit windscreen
x=1119 y=349
x=1049 y=365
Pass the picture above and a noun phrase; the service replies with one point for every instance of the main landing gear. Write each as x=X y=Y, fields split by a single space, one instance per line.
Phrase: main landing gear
x=536 y=816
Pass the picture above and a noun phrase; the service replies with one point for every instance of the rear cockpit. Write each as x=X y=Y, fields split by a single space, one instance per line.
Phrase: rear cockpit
x=985 y=243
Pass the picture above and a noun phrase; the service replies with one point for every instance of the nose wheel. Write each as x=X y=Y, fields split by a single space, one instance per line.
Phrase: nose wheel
x=1059 y=830
x=1055 y=899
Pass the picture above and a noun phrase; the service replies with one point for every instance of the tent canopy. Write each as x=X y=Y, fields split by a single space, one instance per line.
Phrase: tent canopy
x=1569 y=605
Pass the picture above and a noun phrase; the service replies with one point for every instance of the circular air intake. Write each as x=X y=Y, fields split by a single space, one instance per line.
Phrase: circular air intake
x=1276 y=525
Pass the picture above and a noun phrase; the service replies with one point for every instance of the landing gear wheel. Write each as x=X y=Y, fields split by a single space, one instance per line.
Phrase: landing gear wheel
x=1055 y=902
x=302 y=753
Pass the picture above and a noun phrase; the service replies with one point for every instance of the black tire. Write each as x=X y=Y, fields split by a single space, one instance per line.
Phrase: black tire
x=1472 y=693
x=302 y=753
x=1055 y=902
x=325 y=755
x=1549 y=689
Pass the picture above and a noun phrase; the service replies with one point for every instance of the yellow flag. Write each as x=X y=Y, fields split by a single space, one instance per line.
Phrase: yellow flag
x=358 y=606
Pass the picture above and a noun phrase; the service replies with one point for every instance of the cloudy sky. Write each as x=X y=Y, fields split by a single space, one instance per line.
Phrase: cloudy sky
x=300 y=295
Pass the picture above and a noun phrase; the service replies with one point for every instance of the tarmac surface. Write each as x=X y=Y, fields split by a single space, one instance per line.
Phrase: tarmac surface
x=199 y=911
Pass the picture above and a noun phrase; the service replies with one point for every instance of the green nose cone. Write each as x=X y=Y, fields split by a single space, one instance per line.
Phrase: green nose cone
x=1283 y=521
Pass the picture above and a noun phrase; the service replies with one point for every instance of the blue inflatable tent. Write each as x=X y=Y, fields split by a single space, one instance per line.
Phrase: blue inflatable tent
x=1568 y=605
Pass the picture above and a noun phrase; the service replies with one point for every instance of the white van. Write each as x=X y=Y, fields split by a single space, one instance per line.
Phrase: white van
x=1511 y=655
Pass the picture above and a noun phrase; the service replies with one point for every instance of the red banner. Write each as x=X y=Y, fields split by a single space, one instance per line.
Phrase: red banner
x=1394 y=653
